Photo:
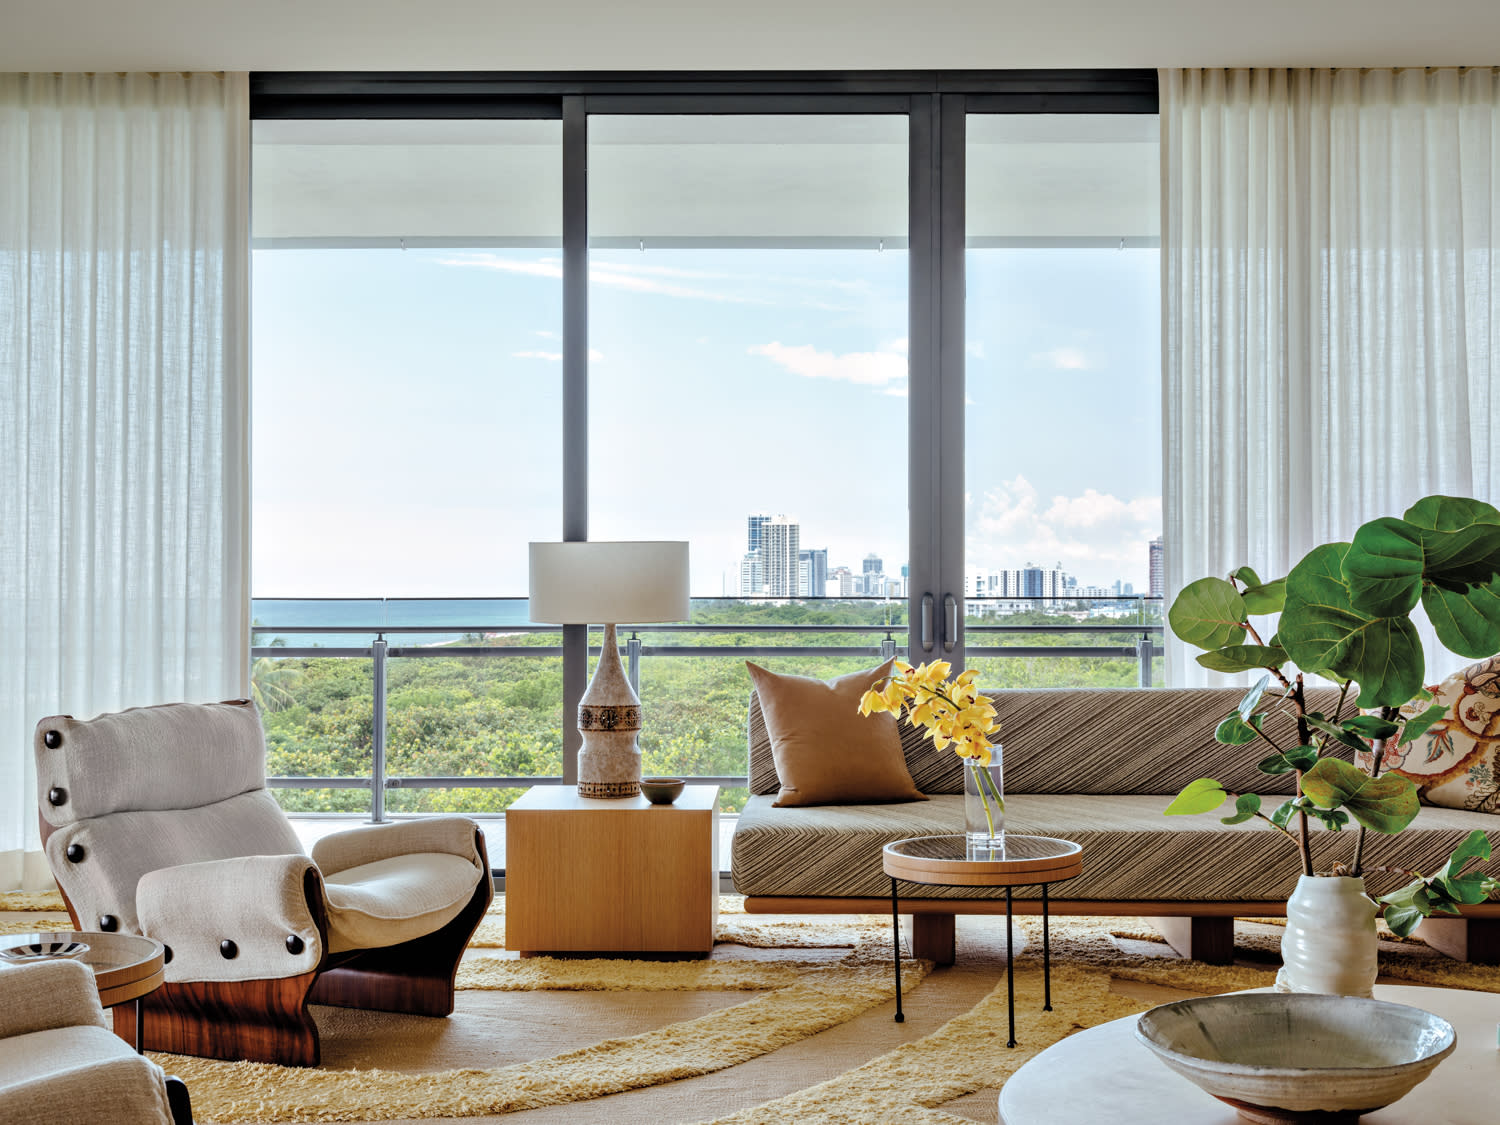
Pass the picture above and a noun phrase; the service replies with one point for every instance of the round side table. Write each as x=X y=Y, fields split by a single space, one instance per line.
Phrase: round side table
x=949 y=861
x=126 y=966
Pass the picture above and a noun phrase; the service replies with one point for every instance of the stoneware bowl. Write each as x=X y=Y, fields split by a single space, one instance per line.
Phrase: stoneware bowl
x=1286 y=1057
x=662 y=790
x=43 y=950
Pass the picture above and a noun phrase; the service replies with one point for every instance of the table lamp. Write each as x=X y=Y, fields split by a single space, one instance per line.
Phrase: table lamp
x=607 y=584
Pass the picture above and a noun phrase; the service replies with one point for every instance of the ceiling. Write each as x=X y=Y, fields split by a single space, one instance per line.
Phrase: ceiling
x=81 y=35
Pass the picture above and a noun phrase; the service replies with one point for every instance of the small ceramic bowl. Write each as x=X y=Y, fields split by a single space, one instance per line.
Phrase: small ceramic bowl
x=662 y=790
x=1285 y=1057
x=43 y=950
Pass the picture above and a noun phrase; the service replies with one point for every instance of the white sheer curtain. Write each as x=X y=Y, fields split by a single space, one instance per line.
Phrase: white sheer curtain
x=1330 y=307
x=123 y=407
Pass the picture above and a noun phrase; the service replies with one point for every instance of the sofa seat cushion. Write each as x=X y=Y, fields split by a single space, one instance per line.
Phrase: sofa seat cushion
x=395 y=900
x=73 y=1075
x=1131 y=852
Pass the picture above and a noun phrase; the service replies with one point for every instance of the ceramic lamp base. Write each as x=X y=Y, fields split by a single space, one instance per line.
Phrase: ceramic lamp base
x=609 y=718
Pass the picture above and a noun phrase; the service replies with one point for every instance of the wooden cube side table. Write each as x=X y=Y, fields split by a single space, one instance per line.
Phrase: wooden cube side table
x=611 y=876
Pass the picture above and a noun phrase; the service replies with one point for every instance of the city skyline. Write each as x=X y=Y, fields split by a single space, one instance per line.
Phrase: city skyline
x=772 y=541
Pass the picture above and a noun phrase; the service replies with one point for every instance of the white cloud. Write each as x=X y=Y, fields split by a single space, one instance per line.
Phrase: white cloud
x=873 y=369
x=1063 y=359
x=897 y=392
x=975 y=348
x=1096 y=536
x=901 y=344
x=545 y=335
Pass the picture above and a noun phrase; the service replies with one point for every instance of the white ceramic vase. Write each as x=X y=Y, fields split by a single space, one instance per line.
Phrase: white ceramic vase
x=1330 y=944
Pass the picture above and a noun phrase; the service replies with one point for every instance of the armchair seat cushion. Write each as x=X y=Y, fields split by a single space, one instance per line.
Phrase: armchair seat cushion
x=394 y=900
x=79 y=1074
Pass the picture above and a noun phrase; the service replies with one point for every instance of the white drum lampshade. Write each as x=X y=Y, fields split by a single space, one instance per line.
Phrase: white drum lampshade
x=607 y=584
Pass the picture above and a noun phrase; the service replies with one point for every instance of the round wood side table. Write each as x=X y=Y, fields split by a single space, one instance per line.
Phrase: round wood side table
x=949 y=861
x=126 y=966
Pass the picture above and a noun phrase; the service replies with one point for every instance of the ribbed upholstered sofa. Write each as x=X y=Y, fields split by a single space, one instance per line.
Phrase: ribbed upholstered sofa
x=1096 y=766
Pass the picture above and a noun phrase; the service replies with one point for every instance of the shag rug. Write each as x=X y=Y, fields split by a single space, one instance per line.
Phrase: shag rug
x=794 y=1000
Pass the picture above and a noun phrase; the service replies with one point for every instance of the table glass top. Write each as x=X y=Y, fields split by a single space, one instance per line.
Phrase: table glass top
x=957 y=849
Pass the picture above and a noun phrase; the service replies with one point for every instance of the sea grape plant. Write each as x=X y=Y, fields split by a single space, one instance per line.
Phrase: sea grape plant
x=1345 y=615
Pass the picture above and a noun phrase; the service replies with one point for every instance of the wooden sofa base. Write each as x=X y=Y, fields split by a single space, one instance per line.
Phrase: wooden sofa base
x=1203 y=931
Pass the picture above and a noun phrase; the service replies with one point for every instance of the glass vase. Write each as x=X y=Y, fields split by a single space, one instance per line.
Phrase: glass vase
x=984 y=806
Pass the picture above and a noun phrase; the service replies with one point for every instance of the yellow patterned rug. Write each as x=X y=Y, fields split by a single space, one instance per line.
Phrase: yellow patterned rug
x=795 y=1000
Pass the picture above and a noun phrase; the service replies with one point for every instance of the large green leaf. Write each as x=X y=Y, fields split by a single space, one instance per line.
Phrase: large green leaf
x=1371 y=726
x=1322 y=631
x=1268 y=597
x=1384 y=804
x=1243 y=658
x=1457 y=559
x=1251 y=699
x=1449 y=513
x=1383 y=567
x=1418 y=725
x=1246 y=805
x=1298 y=758
x=1208 y=613
x=1475 y=846
x=1201 y=796
x=1234 y=731
x=1467 y=622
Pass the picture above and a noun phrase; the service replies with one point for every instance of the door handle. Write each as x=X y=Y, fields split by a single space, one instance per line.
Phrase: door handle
x=927 y=623
x=950 y=622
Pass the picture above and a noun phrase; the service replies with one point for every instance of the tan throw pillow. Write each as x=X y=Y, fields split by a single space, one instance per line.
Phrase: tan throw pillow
x=826 y=753
x=1455 y=763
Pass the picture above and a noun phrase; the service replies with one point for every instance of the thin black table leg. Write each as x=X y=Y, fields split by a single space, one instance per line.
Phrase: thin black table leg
x=1010 y=970
x=896 y=947
x=1046 y=957
x=140 y=1028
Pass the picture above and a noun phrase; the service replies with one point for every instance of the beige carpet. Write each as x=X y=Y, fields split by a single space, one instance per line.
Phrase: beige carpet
x=543 y=1040
x=788 y=1021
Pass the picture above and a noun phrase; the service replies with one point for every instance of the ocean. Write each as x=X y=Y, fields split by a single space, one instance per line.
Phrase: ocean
x=284 y=619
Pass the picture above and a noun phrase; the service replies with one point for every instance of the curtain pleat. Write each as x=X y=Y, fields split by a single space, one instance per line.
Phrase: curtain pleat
x=123 y=406
x=1330 y=298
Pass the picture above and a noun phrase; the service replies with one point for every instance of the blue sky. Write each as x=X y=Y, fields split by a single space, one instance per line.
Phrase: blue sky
x=407 y=410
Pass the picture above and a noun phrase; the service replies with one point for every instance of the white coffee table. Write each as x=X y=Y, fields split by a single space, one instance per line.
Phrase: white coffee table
x=1103 y=1074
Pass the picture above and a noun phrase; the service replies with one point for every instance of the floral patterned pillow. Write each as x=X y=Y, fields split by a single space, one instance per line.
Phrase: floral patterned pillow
x=1456 y=761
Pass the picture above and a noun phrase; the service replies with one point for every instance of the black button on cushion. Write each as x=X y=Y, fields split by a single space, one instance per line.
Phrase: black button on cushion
x=57 y=796
x=75 y=853
x=52 y=739
x=109 y=923
x=294 y=944
x=228 y=950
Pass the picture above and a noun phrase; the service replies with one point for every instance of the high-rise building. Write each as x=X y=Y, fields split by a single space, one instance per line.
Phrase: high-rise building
x=840 y=582
x=1157 y=569
x=873 y=564
x=813 y=568
x=754 y=524
x=780 y=547
x=752 y=575
x=1043 y=582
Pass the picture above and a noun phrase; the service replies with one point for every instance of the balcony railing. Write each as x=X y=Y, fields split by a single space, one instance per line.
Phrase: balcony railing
x=381 y=636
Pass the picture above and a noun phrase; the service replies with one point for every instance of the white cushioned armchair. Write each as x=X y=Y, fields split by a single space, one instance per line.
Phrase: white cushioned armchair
x=61 y=1065
x=157 y=821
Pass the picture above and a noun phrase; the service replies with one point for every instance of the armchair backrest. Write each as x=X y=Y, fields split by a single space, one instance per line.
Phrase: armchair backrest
x=152 y=787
